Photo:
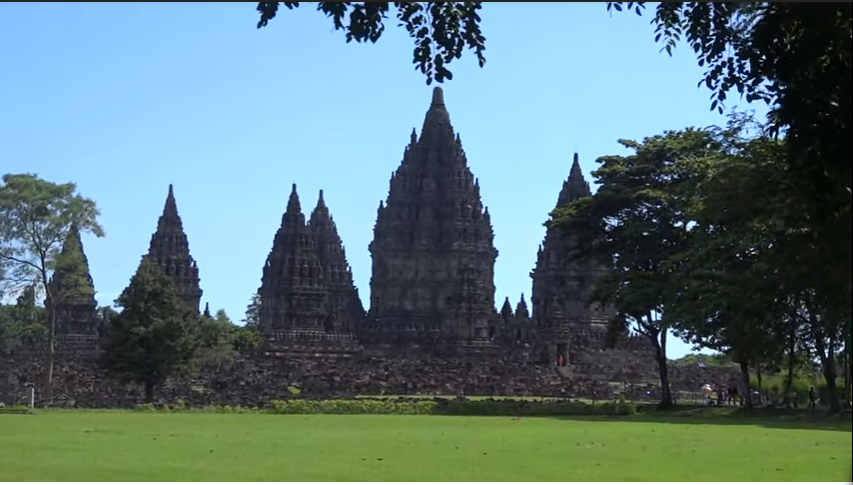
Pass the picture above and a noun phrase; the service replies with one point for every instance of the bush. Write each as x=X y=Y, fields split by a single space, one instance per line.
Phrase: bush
x=403 y=406
x=455 y=407
x=353 y=406
x=508 y=407
x=15 y=410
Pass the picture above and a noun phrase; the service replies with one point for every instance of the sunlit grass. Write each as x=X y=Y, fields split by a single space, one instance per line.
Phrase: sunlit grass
x=129 y=446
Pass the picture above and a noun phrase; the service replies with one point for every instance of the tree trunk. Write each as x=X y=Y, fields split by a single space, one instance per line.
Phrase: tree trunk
x=666 y=401
x=758 y=377
x=746 y=396
x=832 y=387
x=847 y=376
x=149 y=392
x=848 y=370
x=51 y=348
x=789 y=379
x=826 y=354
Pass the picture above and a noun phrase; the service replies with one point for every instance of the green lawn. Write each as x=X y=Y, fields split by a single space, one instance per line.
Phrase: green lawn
x=128 y=446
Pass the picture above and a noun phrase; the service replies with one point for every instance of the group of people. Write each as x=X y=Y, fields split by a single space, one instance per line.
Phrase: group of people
x=730 y=395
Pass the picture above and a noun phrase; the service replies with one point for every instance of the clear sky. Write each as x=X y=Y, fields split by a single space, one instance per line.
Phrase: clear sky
x=126 y=98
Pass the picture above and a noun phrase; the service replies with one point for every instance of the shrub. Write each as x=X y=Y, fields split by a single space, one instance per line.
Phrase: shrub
x=353 y=406
x=15 y=410
x=455 y=407
x=508 y=407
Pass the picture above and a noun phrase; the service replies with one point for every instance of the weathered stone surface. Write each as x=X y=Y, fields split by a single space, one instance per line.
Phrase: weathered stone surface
x=344 y=310
x=255 y=380
x=571 y=325
x=433 y=252
x=74 y=294
x=301 y=311
x=432 y=327
x=170 y=249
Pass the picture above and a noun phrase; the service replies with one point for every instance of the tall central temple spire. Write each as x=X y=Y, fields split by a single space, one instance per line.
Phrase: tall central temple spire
x=169 y=248
x=433 y=248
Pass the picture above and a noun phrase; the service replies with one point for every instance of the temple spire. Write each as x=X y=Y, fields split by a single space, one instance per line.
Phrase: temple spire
x=521 y=310
x=437 y=131
x=293 y=205
x=321 y=203
x=576 y=186
x=169 y=249
x=437 y=97
x=575 y=172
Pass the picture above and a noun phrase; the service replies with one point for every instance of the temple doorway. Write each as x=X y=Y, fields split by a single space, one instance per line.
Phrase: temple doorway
x=562 y=354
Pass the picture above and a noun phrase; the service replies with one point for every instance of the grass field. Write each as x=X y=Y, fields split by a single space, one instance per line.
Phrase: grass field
x=128 y=446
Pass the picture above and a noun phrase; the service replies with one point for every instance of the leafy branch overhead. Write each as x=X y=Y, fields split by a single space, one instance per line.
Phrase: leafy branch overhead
x=441 y=30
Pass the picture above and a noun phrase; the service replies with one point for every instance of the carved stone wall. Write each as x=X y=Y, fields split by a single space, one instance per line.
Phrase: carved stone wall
x=433 y=248
x=170 y=249
x=253 y=380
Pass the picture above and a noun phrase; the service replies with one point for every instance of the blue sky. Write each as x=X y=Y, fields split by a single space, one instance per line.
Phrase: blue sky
x=126 y=98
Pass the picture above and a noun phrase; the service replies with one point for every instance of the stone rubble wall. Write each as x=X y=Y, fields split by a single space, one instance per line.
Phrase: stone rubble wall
x=254 y=380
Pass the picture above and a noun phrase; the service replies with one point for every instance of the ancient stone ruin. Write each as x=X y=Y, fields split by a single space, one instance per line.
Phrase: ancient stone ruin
x=431 y=308
x=170 y=249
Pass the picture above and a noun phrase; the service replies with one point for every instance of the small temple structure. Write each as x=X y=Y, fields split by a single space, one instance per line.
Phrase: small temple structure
x=73 y=293
x=308 y=306
x=170 y=249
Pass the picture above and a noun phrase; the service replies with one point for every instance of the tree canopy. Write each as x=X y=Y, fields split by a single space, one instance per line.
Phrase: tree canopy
x=36 y=218
x=699 y=232
x=155 y=336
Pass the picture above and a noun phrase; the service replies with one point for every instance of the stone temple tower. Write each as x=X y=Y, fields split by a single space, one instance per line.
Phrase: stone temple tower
x=433 y=247
x=292 y=288
x=562 y=313
x=308 y=300
x=344 y=311
x=74 y=292
x=170 y=249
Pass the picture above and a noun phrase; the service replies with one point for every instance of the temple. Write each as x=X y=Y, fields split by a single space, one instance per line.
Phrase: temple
x=73 y=293
x=306 y=305
x=432 y=291
x=170 y=249
x=569 y=321
x=432 y=250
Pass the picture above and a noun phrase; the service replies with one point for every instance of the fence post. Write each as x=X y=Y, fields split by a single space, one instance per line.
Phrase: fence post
x=32 y=397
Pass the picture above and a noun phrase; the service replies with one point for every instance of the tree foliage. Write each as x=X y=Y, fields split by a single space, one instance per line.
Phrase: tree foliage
x=441 y=30
x=701 y=233
x=36 y=217
x=635 y=225
x=22 y=324
x=252 y=318
x=155 y=336
x=220 y=340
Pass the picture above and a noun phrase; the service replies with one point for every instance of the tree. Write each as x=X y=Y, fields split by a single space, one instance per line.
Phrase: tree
x=634 y=225
x=155 y=335
x=730 y=297
x=22 y=323
x=221 y=339
x=36 y=217
x=441 y=30
x=216 y=339
x=252 y=319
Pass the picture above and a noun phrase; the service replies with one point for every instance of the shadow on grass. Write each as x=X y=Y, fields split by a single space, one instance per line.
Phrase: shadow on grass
x=733 y=416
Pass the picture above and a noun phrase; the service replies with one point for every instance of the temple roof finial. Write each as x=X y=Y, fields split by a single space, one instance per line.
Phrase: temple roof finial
x=293 y=205
x=437 y=96
x=576 y=167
